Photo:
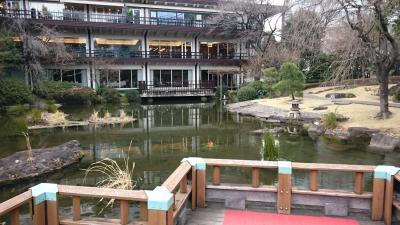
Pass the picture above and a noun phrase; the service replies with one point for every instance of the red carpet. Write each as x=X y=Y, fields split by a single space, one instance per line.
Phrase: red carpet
x=233 y=217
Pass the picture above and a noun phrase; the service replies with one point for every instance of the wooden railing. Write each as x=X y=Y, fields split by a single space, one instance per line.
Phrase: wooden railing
x=188 y=181
x=13 y=205
x=123 y=196
x=177 y=183
x=381 y=196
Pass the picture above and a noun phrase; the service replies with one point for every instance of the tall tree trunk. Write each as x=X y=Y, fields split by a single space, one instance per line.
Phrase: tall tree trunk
x=383 y=80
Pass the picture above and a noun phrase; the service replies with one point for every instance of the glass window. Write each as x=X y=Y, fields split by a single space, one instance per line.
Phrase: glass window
x=113 y=78
x=185 y=78
x=103 y=77
x=78 y=76
x=177 y=78
x=156 y=77
x=134 y=78
x=166 y=77
x=68 y=76
x=54 y=74
x=126 y=79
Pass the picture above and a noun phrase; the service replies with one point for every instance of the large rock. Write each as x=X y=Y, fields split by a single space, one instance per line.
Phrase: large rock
x=316 y=129
x=361 y=132
x=385 y=143
x=16 y=167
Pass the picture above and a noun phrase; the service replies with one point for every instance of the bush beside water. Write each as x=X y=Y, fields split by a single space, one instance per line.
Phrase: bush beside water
x=13 y=91
x=246 y=93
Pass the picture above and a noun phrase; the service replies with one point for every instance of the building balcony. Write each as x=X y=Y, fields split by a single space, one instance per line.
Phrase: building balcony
x=153 y=56
x=177 y=89
x=79 y=18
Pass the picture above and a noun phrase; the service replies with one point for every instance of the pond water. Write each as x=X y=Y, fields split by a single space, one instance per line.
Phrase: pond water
x=166 y=133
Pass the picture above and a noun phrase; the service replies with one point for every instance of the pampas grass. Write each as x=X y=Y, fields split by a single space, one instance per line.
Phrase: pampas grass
x=113 y=175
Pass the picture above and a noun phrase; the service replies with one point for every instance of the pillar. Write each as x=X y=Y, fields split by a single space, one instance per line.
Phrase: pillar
x=45 y=204
x=159 y=206
x=284 y=194
x=382 y=195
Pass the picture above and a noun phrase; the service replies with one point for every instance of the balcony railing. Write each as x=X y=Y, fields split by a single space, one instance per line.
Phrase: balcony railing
x=157 y=55
x=68 y=15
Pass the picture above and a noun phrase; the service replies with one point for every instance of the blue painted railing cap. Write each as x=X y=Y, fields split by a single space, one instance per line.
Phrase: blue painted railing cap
x=44 y=192
x=159 y=199
x=197 y=162
x=284 y=167
x=385 y=172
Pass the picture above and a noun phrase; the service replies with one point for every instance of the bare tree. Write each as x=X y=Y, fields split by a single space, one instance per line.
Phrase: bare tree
x=370 y=20
x=258 y=28
x=40 y=45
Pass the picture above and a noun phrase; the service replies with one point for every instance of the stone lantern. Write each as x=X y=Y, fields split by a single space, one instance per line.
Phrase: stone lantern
x=294 y=113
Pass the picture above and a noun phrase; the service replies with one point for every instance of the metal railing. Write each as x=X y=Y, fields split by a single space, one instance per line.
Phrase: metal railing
x=155 y=54
x=68 y=15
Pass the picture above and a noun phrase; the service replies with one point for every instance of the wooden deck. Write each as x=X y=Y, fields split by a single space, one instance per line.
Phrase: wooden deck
x=215 y=216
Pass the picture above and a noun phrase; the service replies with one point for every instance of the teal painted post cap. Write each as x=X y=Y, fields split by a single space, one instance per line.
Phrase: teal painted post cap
x=44 y=192
x=385 y=172
x=284 y=167
x=159 y=199
x=197 y=162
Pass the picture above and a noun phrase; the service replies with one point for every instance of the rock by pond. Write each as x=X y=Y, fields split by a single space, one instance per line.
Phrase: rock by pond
x=384 y=143
x=17 y=168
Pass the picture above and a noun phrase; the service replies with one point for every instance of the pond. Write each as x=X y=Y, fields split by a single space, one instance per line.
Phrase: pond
x=166 y=133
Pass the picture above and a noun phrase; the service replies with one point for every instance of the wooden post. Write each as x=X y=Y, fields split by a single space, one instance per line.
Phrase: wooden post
x=160 y=207
x=201 y=188
x=216 y=175
x=15 y=217
x=39 y=213
x=124 y=212
x=194 y=187
x=45 y=204
x=358 y=183
x=314 y=180
x=284 y=194
x=160 y=217
x=387 y=209
x=143 y=211
x=76 y=208
x=377 y=199
x=183 y=185
x=255 y=177
x=52 y=212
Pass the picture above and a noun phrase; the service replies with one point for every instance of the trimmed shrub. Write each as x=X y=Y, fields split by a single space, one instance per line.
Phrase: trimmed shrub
x=13 y=91
x=246 y=93
x=132 y=95
x=396 y=96
x=78 y=95
x=261 y=88
x=65 y=92
x=52 y=90
x=108 y=95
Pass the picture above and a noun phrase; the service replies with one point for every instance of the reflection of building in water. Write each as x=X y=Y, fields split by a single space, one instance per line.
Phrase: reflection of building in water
x=169 y=128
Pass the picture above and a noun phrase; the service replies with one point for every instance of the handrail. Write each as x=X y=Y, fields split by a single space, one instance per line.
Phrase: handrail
x=78 y=16
x=15 y=202
x=175 y=178
x=79 y=191
x=154 y=55
x=298 y=166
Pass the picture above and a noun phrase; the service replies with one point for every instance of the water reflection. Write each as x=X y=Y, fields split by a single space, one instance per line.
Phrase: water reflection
x=164 y=134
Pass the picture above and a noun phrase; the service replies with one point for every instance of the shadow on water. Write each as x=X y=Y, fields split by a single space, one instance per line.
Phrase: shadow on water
x=165 y=133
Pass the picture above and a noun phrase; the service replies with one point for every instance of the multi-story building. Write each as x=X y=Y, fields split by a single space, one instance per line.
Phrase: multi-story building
x=162 y=47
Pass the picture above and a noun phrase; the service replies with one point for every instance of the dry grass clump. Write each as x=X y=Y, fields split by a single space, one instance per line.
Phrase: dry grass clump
x=57 y=118
x=114 y=175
